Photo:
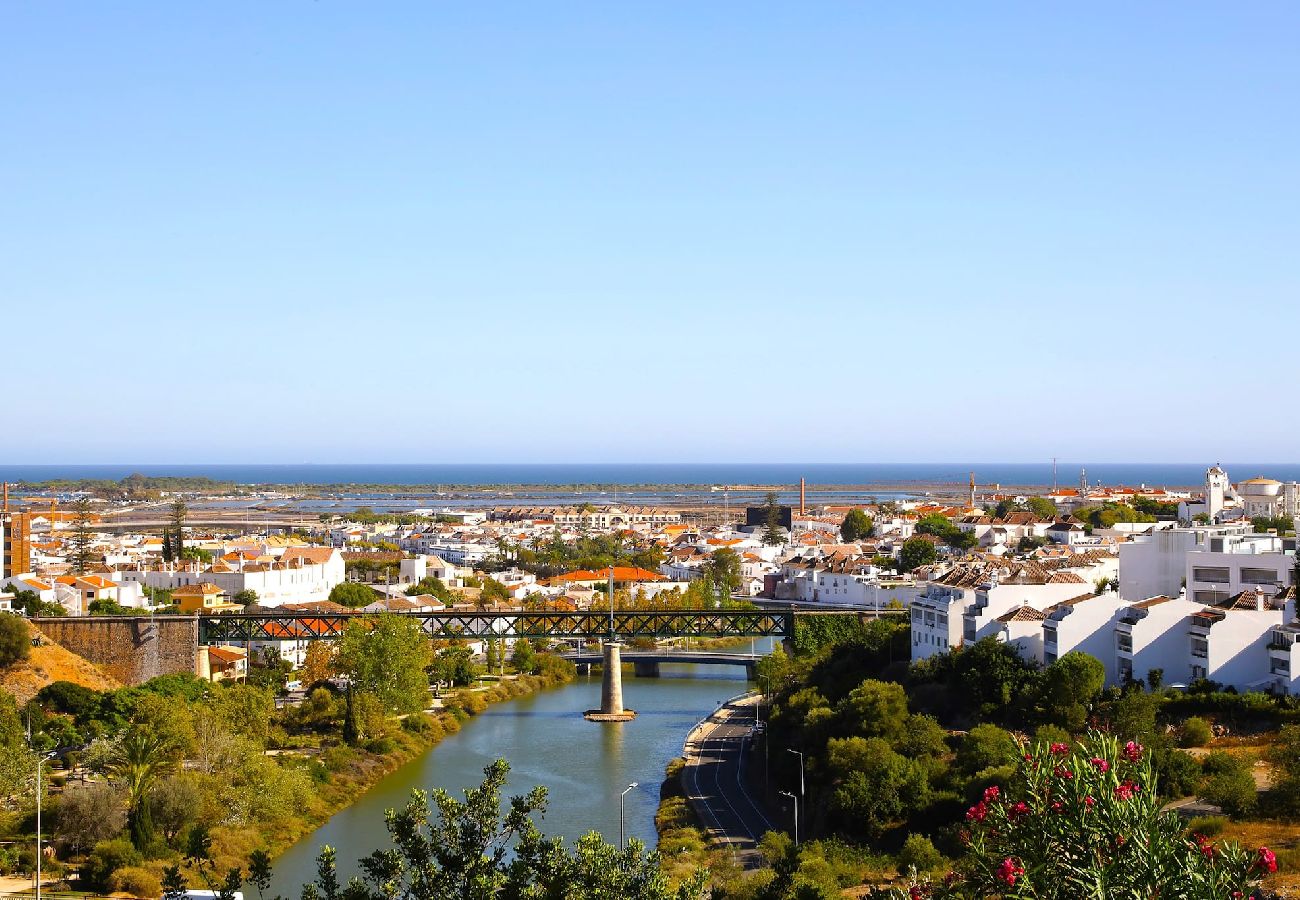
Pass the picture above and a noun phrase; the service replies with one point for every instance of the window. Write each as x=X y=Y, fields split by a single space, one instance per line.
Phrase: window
x=1260 y=576
x=1211 y=575
x=1200 y=648
x=1124 y=643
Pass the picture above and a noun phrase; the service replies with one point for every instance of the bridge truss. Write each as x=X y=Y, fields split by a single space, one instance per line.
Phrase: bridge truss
x=238 y=628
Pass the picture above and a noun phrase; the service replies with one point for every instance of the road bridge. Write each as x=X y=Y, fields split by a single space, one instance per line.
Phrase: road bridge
x=645 y=663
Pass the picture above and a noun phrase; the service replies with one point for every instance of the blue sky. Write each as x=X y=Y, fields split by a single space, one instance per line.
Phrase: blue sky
x=427 y=232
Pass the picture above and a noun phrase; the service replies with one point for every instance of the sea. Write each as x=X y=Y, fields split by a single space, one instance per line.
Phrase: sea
x=470 y=475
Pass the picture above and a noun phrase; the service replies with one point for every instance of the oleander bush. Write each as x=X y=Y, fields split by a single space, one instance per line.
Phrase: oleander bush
x=1086 y=822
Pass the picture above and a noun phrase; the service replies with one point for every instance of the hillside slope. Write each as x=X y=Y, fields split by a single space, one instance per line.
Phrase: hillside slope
x=50 y=663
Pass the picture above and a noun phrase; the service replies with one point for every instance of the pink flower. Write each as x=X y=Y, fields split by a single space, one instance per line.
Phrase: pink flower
x=1060 y=749
x=978 y=812
x=1058 y=806
x=1101 y=764
x=1132 y=751
x=915 y=893
x=1009 y=870
x=1063 y=772
x=1020 y=810
x=1266 y=859
x=1126 y=790
x=991 y=794
x=1089 y=802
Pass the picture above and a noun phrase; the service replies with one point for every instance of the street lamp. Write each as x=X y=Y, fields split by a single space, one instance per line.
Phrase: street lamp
x=796 y=815
x=800 y=755
x=622 y=841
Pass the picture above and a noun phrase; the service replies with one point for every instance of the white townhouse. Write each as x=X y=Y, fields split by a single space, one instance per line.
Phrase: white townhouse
x=1154 y=634
x=1087 y=624
x=1229 y=641
x=1155 y=564
x=1284 y=651
x=964 y=602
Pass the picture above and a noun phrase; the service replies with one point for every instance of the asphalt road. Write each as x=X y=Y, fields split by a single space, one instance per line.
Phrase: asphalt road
x=717 y=761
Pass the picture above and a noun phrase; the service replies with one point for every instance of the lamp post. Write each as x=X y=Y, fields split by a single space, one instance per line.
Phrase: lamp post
x=796 y=815
x=799 y=754
x=622 y=841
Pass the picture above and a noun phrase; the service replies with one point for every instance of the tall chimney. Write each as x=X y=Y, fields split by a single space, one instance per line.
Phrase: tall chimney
x=801 y=497
x=6 y=497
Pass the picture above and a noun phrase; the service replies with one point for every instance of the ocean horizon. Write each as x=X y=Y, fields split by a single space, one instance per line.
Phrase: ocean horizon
x=815 y=474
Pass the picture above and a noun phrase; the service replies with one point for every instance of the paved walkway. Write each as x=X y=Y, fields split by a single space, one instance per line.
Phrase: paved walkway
x=717 y=757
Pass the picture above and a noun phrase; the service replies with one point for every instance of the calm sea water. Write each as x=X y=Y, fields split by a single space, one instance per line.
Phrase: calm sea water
x=470 y=474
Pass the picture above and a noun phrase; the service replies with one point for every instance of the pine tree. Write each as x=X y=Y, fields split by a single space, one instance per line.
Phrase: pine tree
x=80 y=555
x=167 y=554
x=773 y=533
x=179 y=510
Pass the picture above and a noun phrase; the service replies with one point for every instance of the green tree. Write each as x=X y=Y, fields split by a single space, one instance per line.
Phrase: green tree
x=1041 y=507
x=349 y=593
x=246 y=597
x=15 y=640
x=773 y=533
x=138 y=758
x=986 y=746
x=876 y=784
x=856 y=526
x=80 y=553
x=723 y=571
x=1070 y=685
x=876 y=709
x=1229 y=783
x=386 y=656
x=472 y=850
x=177 y=518
x=916 y=552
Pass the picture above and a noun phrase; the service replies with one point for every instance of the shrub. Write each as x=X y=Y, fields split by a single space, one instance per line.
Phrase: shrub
x=986 y=746
x=918 y=853
x=136 y=881
x=1066 y=826
x=381 y=746
x=1209 y=826
x=107 y=858
x=15 y=642
x=1196 y=733
x=1229 y=784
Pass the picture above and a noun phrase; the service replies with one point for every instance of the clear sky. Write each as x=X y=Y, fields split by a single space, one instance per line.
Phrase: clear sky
x=635 y=231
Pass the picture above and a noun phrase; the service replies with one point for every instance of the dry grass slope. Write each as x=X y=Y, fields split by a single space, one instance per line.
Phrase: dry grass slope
x=50 y=663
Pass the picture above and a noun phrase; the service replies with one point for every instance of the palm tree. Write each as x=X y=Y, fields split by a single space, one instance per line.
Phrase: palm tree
x=141 y=756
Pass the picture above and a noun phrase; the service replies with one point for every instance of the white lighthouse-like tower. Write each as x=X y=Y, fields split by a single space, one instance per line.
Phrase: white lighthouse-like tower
x=1217 y=486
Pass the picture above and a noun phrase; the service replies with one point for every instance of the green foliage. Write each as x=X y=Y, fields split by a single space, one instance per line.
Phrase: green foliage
x=386 y=656
x=15 y=640
x=1195 y=733
x=247 y=597
x=349 y=593
x=986 y=746
x=773 y=533
x=1156 y=508
x=857 y=525
x=1279 y=524
x=1229 y=784
x=472 y=849
x=1109 y=514
x=875 y=709
x=918 y=853
x=723 y=571
x=431 y=586
x=916 y=552
x=1209 y=826
x=1096 y=832
x=943 y=528
x=1069 y=686
x=876 y=785
x=105 y=859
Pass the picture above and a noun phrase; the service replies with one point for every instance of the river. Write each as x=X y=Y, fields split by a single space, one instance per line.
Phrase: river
x=583 y=765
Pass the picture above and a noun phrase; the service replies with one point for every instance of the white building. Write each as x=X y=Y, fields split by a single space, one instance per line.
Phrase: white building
x=1154 y=634
x=1163 y=562
x=299 y=575
x=1087 y=624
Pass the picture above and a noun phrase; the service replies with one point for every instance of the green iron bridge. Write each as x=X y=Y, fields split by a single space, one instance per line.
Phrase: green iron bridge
x=238 y=628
